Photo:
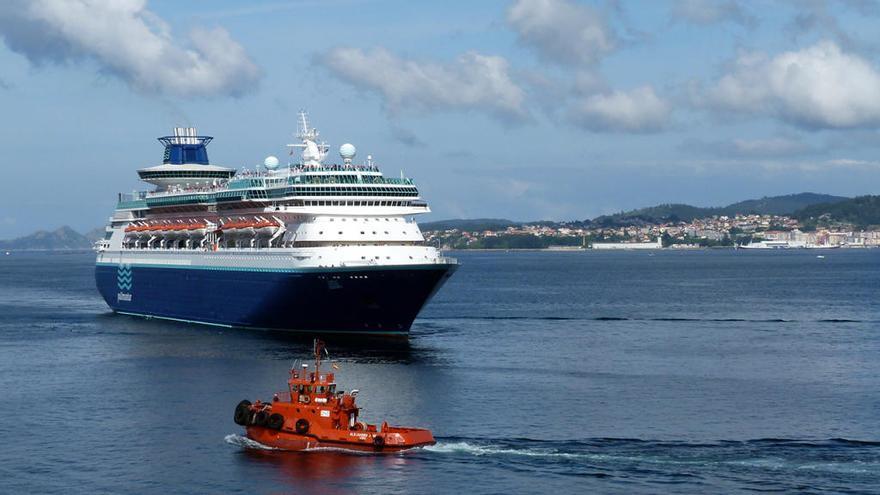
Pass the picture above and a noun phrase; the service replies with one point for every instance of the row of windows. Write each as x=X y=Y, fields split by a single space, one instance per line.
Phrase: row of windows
x=347 y=179
x=321 y=232
x=367 y=219
x=187 y=174
x=337 y=191
x=356 y=203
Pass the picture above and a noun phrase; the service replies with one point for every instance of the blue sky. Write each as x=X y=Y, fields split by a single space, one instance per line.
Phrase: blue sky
x=522 y=109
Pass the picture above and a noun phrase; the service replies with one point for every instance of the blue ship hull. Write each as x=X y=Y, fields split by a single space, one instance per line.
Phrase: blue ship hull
x=374 y=300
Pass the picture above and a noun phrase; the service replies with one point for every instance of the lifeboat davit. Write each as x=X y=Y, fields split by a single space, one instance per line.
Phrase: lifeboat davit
x=312 y=414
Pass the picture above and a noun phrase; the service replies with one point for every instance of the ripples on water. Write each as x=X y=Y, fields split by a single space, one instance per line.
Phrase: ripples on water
x=538 y=372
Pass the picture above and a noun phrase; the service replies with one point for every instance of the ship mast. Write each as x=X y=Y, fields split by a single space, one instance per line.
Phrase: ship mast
x=319 y=347
x=313 y=152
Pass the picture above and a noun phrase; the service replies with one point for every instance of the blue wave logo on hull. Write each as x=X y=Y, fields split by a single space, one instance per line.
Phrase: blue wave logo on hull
x=124 y=282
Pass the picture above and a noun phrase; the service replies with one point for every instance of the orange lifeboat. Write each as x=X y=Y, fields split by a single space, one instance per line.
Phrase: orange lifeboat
x=314 y=415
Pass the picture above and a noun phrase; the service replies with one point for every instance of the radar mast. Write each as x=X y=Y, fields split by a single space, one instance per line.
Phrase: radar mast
x=313 y=153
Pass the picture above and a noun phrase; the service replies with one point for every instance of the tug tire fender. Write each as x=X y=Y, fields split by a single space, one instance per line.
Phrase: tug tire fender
x=302 y=426
x=242 y=411
x=261 y=418
x=276 y=421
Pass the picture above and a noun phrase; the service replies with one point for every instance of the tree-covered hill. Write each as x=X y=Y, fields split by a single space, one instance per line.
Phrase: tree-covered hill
x=862 y=211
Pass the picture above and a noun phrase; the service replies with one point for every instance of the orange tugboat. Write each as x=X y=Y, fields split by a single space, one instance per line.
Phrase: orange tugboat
x=312 y=414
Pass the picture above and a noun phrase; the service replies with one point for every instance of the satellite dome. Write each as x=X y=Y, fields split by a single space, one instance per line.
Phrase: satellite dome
x=271 y=162
x=347 y=151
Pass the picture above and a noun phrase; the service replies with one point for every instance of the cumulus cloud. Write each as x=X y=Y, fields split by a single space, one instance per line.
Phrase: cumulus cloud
x=636 y=110
x=706 y=12
x=562 y=31
x=126 y=39
x=817 y=87
x=471 y=81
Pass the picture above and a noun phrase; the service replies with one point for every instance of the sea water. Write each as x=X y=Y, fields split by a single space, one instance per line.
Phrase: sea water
x=615 y=372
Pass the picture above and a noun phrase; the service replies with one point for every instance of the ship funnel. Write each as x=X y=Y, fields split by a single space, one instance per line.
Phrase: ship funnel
x=185 y=146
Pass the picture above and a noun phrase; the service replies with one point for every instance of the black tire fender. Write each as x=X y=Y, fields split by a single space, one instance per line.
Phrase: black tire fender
x=302 y=426
x=378 y=442
x=261 y=418
x=242 y=411
x=276 y=421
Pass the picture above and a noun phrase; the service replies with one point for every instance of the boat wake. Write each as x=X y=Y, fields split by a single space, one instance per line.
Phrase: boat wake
x=829 y=457
x=245 y=442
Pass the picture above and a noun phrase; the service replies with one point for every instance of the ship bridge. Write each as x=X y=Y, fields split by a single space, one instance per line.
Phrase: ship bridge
x=185 y=163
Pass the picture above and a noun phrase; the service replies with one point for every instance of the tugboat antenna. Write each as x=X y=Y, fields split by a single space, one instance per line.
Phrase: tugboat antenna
x=319 y=346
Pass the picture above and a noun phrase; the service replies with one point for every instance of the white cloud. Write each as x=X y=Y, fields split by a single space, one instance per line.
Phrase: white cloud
x=712 y=11
x=817 y=87
x=636 y=110
x=562 y=31
x=128 y=40
x=473 y=80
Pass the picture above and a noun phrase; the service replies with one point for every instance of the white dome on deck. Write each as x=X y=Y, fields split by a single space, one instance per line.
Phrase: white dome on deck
x=347 y=151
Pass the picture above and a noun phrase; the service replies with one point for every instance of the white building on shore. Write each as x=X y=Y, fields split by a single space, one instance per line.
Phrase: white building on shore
x=658 y=244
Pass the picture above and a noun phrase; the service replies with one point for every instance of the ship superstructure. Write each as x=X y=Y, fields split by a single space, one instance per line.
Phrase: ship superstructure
x=309 y=246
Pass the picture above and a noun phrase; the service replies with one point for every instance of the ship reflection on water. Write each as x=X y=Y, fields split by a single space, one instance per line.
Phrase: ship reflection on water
x=325 y=472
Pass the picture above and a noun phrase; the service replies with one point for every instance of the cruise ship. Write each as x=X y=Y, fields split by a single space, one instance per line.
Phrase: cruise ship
x=308 y=247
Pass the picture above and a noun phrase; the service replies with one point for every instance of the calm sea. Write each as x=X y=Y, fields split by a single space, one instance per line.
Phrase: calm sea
x=692 y=372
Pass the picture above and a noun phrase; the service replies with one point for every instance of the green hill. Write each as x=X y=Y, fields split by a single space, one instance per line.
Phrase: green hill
x=775 y=205
x=861 y=211
x=656 y=214
x=780 y=205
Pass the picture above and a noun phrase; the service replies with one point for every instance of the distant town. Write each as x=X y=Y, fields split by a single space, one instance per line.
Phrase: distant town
x=749 y=231
x=803 y=220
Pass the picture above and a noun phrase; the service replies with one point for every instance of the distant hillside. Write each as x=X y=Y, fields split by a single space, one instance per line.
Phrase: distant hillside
x=780 y=205
x=861 y=211
x=775 y=205
x=62 y=238
x=656 y=214
x=473 y=224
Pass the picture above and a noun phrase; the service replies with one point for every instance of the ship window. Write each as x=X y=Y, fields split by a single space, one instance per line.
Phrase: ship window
x=362 y=232
x=321 y=389
x=321 y=232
